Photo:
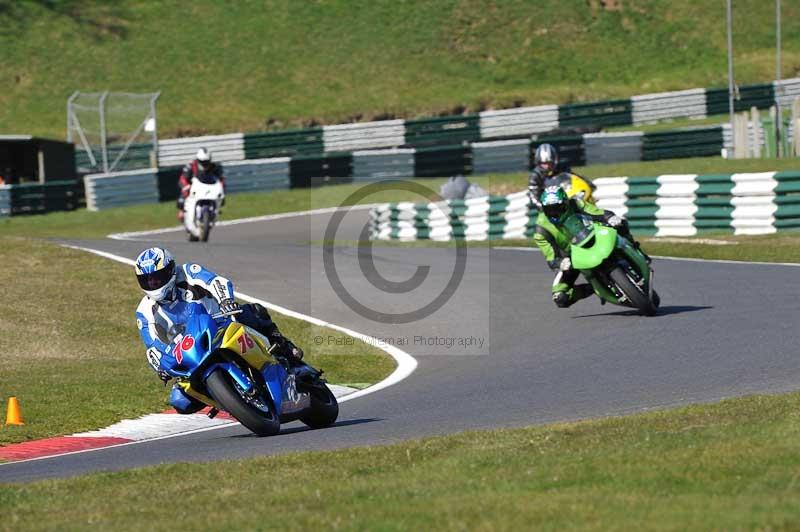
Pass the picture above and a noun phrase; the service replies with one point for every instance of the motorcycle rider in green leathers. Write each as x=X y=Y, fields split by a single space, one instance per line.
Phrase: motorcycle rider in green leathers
x=554 y=241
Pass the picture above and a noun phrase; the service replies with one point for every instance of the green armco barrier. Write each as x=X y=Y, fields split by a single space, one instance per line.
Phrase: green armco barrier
x=5 y=201
x=138 y=156
x=609 y=113
x=316 y=170
x=443 y=161
x=695 y=142
x=443 y=130
x=283 y=143
x=570 y=148
x=36 y=198
x=761 y=96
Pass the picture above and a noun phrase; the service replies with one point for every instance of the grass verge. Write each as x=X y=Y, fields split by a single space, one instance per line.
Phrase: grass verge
x=72 y=355
x=730 y=465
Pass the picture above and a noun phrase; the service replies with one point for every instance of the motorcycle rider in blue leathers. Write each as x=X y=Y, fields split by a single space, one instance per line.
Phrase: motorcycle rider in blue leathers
x=164 y=284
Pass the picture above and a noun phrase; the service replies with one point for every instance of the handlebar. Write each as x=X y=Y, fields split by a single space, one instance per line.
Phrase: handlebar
x=219 y=315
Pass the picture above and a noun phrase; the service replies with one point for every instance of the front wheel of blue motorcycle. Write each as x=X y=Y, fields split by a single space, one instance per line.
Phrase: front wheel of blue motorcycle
x=257 y=414
x=324 y=407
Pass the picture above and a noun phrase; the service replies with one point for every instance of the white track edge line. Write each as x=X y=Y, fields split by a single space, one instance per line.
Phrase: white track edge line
x=237 y=221
x=686 y=259
x=406 y=364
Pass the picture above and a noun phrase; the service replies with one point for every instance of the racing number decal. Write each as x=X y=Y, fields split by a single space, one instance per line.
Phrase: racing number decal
x=186 y=344
x=245 y=343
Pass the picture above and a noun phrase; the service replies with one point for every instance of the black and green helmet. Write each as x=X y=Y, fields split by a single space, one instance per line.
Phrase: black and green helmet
x=555 y=203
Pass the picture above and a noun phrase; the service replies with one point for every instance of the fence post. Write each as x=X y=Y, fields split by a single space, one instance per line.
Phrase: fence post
x=755 y=122
x=740 y=136
x=796 y=122
x=770 y=142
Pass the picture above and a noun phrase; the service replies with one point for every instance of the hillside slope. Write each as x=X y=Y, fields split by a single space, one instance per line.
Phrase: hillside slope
x=241 y=66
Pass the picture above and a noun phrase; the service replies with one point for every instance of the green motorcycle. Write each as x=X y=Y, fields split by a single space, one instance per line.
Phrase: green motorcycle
x=617 y=270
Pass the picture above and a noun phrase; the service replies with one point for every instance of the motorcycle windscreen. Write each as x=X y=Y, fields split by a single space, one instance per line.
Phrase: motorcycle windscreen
x=591 y=252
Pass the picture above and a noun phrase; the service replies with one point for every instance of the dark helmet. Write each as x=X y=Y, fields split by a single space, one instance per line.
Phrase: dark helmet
x=546 y=158
x=555 y=203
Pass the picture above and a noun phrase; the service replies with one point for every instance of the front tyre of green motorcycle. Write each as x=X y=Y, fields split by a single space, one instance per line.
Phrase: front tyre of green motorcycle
x=324 y=407
x=635 y=295
x=257 y=414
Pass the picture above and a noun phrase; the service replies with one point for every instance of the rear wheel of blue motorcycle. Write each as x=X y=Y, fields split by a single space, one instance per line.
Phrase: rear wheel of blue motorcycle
x=223 y=390
x=637 y=298
x=324 y=407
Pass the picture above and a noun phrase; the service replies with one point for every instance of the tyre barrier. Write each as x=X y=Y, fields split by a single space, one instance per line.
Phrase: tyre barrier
x=666 y=205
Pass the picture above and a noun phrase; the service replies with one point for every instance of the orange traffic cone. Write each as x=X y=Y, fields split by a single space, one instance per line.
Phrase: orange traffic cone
x=13 y=417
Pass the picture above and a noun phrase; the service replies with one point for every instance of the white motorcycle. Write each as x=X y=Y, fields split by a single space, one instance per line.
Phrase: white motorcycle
x=201 y=208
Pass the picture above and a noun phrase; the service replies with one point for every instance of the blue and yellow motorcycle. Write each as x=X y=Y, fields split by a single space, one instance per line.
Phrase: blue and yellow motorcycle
x=229 y=366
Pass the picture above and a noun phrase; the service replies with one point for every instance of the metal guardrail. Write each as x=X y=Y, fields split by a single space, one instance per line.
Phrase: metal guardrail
x=521 y=121
x=650 y=108
x=283 y=143
x=223 y=148
x=104 y=191
x=494 y=124
x=352 y=137
x=39 y=198
x=603 y=148
x=5 y=200
x=257 y=175
x=378 y=165
x=501 y=156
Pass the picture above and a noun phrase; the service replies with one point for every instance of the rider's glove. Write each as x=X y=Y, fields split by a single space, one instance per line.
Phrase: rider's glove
x=286 y=347
x=534 y=200
x=615 y=221
x=565 y=265
x=228 y=306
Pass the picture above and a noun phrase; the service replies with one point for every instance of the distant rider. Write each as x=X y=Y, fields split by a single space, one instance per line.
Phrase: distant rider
x=204 y=169
x=554 y=241
x=164 y=283
x=546 y=166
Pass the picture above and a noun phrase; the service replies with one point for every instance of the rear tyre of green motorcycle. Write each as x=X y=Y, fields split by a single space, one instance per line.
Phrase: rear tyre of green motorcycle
x=638 y=299
x=223 y=390
x=324 y=407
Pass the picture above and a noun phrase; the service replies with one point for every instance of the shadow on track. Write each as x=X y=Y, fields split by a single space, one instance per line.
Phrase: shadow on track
x=303 y=428
x=662 y=311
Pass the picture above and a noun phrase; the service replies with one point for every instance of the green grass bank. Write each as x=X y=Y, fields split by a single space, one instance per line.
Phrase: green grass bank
x=249 y=66
x=730 y=465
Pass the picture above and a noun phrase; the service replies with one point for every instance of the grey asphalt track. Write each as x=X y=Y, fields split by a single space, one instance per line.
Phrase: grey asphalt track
x=724 y=330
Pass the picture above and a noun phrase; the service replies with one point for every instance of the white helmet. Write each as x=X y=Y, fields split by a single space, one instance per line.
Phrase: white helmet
x=155 y=271
x=203 y=155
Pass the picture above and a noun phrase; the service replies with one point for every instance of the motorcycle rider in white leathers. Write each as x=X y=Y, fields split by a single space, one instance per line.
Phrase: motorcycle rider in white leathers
x=164 y=283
